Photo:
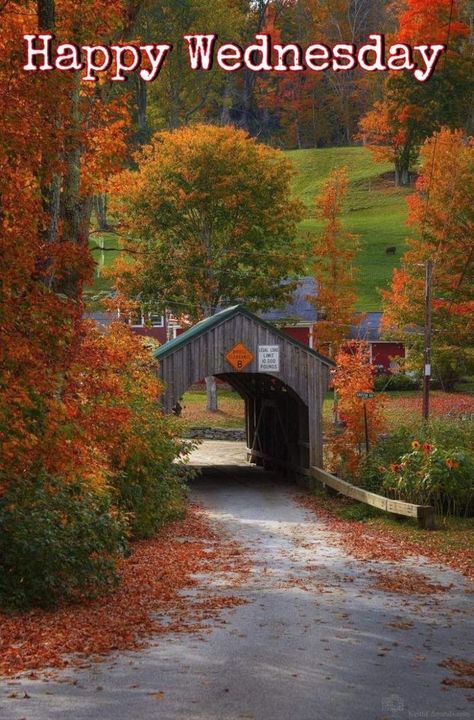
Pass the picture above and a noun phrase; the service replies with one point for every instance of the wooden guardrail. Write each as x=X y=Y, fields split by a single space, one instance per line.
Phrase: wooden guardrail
x=423 y=513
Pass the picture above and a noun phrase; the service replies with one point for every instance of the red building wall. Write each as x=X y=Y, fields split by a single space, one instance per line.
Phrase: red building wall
x=158 y=333
x=298 y=333
x=382 y=352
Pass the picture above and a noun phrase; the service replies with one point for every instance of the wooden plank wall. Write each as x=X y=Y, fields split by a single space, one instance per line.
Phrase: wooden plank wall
x=205 y=354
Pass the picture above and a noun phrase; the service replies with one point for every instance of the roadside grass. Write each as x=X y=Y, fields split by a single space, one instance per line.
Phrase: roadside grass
x=452 y=542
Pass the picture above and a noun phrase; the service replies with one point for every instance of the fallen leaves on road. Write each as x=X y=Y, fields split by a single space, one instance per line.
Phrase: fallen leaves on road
x=377 y=541
x=463 y=670
x=401 y=625
x=158 y=695
x=152 y=581
x=407 y=582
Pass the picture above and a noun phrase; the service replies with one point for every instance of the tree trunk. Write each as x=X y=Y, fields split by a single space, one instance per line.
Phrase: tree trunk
x=46 y=14
x=50 y=189
x=226 y=101
x=143 y=133
x=402 y=176
x=72 y=208
x=100 y=209
x=211 y=388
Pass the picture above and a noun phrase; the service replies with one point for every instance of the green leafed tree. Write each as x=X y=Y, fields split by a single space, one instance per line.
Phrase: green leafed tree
x=210 y=222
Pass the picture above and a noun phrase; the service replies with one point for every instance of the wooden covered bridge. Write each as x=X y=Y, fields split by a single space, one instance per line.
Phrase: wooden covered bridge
x=282 y=382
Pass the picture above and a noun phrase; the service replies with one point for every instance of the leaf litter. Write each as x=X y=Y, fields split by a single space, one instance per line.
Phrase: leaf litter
x=149 y=601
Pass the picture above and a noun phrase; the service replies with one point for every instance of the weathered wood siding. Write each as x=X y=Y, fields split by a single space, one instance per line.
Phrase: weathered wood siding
x=301 y=370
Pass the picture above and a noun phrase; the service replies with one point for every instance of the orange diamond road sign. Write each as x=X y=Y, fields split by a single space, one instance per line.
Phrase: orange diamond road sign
x=239 y=357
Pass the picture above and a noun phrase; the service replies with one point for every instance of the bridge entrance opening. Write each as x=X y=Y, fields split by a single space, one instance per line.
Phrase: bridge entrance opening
x=281 y=381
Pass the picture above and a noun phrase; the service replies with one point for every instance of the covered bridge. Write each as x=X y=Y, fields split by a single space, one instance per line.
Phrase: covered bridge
x=282 y=382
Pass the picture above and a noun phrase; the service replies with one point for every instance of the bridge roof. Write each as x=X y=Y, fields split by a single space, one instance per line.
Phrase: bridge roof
x=211 y=322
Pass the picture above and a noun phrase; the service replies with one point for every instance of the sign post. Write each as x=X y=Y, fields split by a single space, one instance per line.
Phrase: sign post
x=366 y=396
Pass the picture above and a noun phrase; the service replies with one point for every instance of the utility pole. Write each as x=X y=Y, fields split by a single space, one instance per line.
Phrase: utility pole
x=427 y=338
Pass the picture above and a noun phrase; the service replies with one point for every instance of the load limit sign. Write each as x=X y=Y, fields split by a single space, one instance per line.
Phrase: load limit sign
x=269 y=358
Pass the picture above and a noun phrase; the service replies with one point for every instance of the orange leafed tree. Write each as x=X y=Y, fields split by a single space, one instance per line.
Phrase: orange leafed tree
x=441 y=215
x=333 y=254
x=354 y=373
x=64 y=399
x=411 y=111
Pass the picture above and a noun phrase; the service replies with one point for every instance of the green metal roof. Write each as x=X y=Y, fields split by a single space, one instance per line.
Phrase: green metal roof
x=211 y=322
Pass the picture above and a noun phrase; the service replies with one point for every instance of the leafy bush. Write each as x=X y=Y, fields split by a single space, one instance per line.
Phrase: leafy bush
x=149 y=483
x=58 y=542
x=151 y=495
x=435 y=476
x=396 y=382
x=441 y=475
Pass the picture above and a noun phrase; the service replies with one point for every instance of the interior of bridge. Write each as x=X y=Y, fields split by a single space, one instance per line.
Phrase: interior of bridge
x=276 y=421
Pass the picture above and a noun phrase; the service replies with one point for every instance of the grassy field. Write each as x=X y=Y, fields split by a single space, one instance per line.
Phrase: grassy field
x=229 y=415
x=375 y=210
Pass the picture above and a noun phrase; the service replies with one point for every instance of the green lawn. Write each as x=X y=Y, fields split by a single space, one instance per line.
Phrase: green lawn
x=230 y=414
x=375 y=210
x=102 y=258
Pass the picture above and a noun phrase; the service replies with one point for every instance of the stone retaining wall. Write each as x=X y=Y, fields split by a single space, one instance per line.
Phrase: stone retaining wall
x=208 y=433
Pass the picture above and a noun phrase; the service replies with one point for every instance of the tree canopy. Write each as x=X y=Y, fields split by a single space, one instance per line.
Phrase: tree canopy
x=210 y=221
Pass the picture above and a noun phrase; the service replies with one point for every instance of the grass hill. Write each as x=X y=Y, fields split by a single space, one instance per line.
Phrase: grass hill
x=375 y=210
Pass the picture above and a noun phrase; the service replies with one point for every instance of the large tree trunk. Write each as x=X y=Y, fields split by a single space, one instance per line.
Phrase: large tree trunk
x=50 y=188
x=74 y=211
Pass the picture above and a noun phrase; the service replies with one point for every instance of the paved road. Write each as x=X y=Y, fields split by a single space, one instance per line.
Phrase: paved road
x=315 y=641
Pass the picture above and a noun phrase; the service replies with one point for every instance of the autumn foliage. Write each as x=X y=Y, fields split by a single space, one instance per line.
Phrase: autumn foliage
x=209 y=221
x=397 y=125
x=71 y=397
x=353 y=374
x=334 y=251
x=442 y=223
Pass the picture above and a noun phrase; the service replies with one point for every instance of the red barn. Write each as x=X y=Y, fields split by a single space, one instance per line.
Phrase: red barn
x=297 y=319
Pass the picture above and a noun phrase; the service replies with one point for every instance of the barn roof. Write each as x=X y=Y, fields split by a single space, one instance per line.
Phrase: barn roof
x=368 y=328
x=299 y=309
x=209 y=323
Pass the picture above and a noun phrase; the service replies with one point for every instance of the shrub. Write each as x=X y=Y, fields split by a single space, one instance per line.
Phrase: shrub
x=396 y=382
x=435 y=476
x=147 y=476
x=444 y=477
x=58 y=542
